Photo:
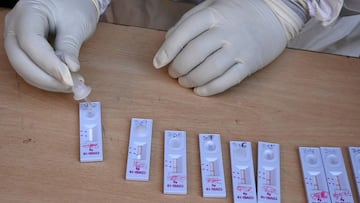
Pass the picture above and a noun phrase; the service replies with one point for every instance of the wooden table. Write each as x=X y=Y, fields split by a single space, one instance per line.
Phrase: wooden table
x=301 y=99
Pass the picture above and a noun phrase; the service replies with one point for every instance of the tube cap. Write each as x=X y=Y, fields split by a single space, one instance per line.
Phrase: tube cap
x=80 y=90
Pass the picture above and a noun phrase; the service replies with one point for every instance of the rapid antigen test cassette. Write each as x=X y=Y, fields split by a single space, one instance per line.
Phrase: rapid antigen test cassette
x=242 y=172
x=212 y=169
x=268 y=172
x=336 y=175
x=138 y=162
x=91 y=147
x=355 y=162
x=175 y=175
x=314 y=175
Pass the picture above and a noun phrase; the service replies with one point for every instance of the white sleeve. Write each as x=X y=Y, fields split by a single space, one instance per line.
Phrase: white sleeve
x=292 y=14
x=326 y=11
x=103 y=4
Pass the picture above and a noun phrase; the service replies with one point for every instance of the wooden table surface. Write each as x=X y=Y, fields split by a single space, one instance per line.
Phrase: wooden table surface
x=301 y=99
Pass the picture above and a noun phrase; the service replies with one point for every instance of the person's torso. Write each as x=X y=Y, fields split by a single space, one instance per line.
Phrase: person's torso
x=154 y=14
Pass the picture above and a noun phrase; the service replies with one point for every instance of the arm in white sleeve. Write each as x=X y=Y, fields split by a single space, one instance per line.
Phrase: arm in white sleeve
x=101 y=5
x=326 y=11
x=291 y=19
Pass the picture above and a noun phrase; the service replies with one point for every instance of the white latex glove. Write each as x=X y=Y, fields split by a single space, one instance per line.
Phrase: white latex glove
x=27 y=27
x=220 y=42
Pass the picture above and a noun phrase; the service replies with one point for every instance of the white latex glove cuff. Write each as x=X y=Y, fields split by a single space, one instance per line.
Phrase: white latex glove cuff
x=290 y=21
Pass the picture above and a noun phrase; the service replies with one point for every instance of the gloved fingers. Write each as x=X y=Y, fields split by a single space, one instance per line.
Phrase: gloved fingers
x=189 y=13
x=184 y=33
x=70 y=60
x=31 y=73
x=70 y=36
x=32 y=40
x=230 y=78
x=194 y=53
x=214 y=66
x=67 y=46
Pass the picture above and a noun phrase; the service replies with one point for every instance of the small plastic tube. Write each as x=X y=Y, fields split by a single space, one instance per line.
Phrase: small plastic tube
x=80 y=90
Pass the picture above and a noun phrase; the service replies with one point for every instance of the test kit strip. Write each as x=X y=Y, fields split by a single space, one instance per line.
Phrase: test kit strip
x=212 y=169
x=91 y=147
x=355 y=162
x=268 y=172
x=175 y=179
x=242 y=171
x=336 y=175
x=138 y=162
x=314 y=175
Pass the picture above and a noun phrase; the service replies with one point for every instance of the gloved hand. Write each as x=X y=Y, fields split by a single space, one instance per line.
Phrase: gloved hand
x=218 y=43
x=27 y=27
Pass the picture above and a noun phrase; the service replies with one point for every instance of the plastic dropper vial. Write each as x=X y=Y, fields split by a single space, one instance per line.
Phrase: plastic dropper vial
x=79 y=89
